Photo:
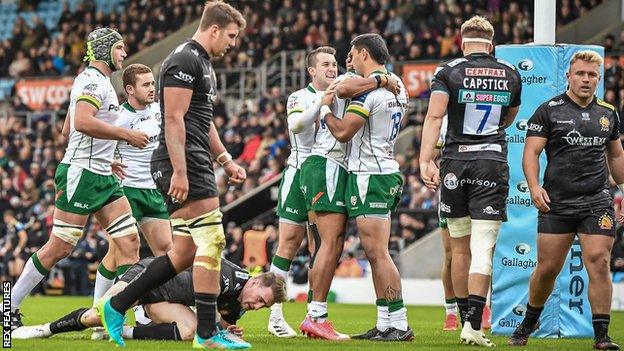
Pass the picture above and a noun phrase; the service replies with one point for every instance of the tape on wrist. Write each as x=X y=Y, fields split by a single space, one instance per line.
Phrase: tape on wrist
x=224 y=157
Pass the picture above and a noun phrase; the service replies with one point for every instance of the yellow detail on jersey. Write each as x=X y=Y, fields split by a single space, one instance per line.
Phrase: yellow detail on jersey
x=605 y=104
x=358 y=110
x=295 y=110
x=90 y=99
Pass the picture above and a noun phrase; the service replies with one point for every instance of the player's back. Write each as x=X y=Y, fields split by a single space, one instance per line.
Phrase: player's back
x=136 y=159
x=301 y=143
x=96 y=155
x=372 y=147
x=481 y=91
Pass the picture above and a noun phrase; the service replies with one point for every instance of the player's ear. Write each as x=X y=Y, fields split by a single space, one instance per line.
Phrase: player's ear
x=311 y=70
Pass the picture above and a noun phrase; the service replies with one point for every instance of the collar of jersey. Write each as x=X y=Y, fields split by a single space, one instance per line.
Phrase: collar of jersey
x=569 y=99
x=199 y=47
x=378 y=72
x=311 y=88
x=95 y=68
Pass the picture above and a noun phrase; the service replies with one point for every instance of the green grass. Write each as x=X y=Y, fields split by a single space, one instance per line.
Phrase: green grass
x=351 y=319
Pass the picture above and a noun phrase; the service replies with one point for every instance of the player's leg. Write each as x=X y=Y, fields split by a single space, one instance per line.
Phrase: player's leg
x=450 y=303
x=153 y=219
x=292 y=212
x=157 y=232
x=171 y=321
x=597 y=232
x=106 y=273
x=66 y=231
x=554 y=239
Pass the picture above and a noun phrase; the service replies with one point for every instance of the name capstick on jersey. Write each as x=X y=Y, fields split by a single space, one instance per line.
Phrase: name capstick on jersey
x=93 y=154
x=372 y=147
x=137 y=160
x=301 y=143
x=325 y=144
x=481 y=91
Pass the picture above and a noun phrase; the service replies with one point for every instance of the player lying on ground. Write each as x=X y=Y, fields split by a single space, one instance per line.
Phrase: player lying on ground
x=168 y=305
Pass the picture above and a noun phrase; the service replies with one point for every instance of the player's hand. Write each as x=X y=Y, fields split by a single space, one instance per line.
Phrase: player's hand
x=137 y=138
x=179 y=187
x=392 y=85
x=427 y=173
x=540 y=199
x=118 y=169
x=236 y=173
x=236 y=330
x=332 y=86
x=328 y=97
x=436 y=172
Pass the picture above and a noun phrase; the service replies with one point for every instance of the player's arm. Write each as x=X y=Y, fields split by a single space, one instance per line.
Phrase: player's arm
x=515 y=103
x=177 y=101
x=301 y=116
x=351 y=87
x=355 y=117
x=66 y=126
x=615 y=154
x=85 y=122
x=533 y=147
x=430 y=135
x=511 y=116
x=236 y=173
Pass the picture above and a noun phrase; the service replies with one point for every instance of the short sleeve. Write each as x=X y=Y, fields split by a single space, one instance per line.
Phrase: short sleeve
x=615 y=130
x=361 y=105
x=294 y=104
x=439 y=81
x=181 y=71
x=93 y=93
x=539 y=124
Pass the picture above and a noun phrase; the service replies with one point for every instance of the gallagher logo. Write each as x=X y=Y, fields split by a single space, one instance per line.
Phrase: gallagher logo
x=522 y=124
x=523 y=187
x=525 y=65
x=519 y=310
x=523 y=248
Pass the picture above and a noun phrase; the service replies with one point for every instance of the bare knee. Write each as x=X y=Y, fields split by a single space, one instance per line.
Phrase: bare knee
x=597 y=265
x=547 y=270
x=128 y=247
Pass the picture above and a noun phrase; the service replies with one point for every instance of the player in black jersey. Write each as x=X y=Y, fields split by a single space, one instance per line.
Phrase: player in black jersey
x=482 y=97
x=575 y=128
x=168 y=305
x=182 y=170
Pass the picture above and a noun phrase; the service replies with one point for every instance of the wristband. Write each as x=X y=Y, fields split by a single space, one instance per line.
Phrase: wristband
x=224 y=157
x=621 y=187
x=378 y=79
x=325 y=110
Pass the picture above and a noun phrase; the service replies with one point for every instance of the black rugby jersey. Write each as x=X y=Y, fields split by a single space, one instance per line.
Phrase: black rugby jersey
x=188 y=66
x=179 y=289
x=481 y=90
x=576 y=174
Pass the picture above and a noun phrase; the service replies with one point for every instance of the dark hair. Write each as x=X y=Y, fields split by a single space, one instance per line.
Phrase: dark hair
x=311 y=57
x=374 y=44
x=220 y=14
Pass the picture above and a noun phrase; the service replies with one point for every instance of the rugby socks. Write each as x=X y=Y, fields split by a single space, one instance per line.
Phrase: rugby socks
x=383 y=318
x=158 y=272
x=318 y=311
x=475 y=310
x=163 y=331
x=32 y=274
x=206 y=305
x=280 y=266
x=532 y=316
x=601 y=325
x=104 y=280
x=462 y=304
x=69 y=323
x=397 y=314
x=310 y=294
x=450 y=305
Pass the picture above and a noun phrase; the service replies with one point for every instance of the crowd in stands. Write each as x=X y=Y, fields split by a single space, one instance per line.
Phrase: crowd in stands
x=256 y=135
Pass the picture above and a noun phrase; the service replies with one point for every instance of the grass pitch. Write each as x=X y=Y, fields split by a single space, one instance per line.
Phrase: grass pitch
x=350 y=319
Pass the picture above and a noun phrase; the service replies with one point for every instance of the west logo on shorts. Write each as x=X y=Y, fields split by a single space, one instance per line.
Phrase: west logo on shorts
x=605 y=222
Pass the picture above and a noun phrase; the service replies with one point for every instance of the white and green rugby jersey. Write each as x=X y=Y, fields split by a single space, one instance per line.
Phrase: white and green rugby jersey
x=325 y=143
x=93 y=154
x=301 y=143
x=138 y=160
x=372 y=147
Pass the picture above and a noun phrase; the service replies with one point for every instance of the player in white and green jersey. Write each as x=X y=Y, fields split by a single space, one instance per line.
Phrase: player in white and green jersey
x=84 y=182
x=372 y=123
x=303 y=109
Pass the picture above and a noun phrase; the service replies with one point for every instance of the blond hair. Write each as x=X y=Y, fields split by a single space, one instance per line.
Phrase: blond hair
x=586 y=56
x=220 y=14
x=277 y=285
x=477 y=27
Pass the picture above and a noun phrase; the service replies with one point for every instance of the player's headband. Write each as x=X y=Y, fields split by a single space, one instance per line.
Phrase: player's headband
x=476 y=40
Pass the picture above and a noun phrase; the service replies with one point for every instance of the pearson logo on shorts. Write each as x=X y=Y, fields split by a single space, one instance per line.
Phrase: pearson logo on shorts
x=519 y=310
x=450 y=181
x=523 y=248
